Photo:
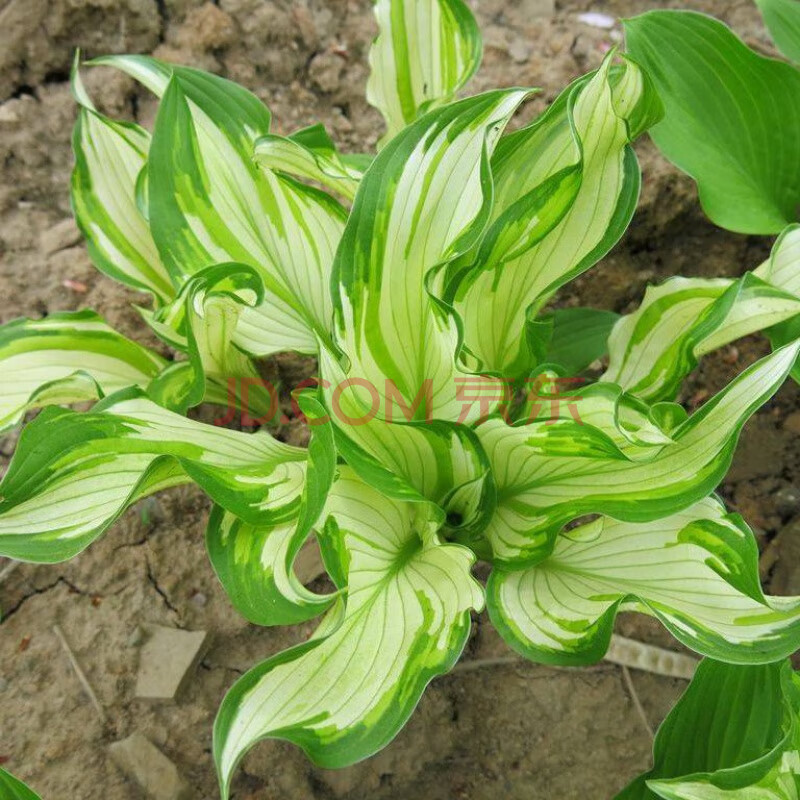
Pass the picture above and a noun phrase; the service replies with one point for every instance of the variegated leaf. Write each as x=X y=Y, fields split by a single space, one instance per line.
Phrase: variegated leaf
x=257 y=563
x=150 y=72
x=653 y=349
x=565 y=190
x=347 y=691
x=256 y=566
x=424 y=53
x=309 y=153
x=757 y=306
x=696 y=571
x=109 y=157
x=782 y=782
x=202 y=321
x=782 y=268
x=550 y=472
x=66 y=358
x=410 y=455
x=73 y=474
x=627 y=422
x=422 y=203
x=209 y=202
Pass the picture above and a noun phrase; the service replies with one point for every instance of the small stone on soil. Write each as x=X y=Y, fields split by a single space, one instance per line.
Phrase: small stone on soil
x=305 y=24
x=167 y=658
x=136 y=637
x=62 y=235
x=325 y=71
x=538 y=8
x=787 y=501
x=519 y=50
x=597 y=20
x=792 y=422
x=7 y=114
x=143 y=762
x=207 y=28
x=75 y=286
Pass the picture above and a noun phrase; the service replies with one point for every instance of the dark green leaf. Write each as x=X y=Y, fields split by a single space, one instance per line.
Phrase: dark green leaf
x=13 y=789
x=580 y=336
x=782 y=18
x=732 y=117
x=731 y=725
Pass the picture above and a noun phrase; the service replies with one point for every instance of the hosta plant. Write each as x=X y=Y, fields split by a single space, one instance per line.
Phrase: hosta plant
x=733 y=735
x=732 y=119
x=13 y=789
x=445 y=423
x=732 y=115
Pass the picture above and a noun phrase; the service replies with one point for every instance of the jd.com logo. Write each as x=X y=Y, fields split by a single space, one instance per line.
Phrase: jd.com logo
x=544 y=398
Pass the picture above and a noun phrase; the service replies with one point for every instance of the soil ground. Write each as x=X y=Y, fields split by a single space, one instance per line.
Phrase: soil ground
x=515 y=731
